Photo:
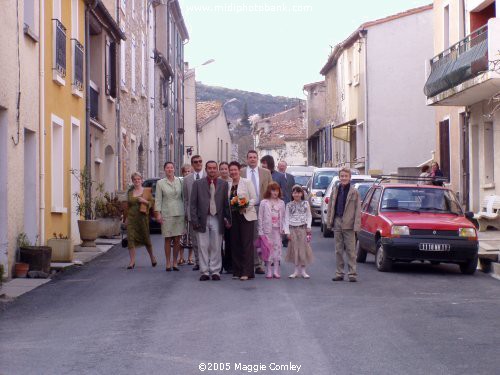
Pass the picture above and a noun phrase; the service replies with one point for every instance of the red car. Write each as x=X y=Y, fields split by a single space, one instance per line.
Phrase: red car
x=407 y=222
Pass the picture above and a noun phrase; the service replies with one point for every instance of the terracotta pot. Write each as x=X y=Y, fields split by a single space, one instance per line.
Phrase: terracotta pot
x=109 y=227
x=21 y=269
x=88 y=232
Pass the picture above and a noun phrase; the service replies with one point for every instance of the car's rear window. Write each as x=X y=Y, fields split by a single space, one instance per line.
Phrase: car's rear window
x=420 y=200
x=321 y=180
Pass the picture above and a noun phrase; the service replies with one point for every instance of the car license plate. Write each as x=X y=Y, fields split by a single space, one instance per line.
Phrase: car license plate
x=434 y=247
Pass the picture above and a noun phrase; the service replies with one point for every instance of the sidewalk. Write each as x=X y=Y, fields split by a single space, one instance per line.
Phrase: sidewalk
x=82 y=255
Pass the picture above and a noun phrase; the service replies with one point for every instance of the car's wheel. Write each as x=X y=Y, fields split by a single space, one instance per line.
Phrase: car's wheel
x=469 y=267
x=360 y=253
x=382 y=263
x=322 y=227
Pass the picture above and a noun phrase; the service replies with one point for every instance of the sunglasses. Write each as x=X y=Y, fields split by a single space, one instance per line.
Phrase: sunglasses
x=197 y=162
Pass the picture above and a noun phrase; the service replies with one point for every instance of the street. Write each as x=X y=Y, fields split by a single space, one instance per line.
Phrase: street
x=104 y=319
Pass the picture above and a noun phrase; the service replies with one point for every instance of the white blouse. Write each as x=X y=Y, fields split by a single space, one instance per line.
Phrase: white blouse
x=297 y=214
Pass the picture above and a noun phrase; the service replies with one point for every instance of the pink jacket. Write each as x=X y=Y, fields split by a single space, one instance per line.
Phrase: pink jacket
x=265 y=223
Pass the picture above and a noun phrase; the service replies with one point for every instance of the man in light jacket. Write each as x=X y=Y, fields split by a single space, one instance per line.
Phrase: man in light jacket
x=344 y=216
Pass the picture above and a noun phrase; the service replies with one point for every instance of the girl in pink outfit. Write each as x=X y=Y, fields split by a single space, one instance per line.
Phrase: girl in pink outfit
x=271 y=219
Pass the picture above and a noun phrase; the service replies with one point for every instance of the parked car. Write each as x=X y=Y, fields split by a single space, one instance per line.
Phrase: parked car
x=363 y=188
x=154 y=226
x=355 y=179
x=317 y=186
x=301 y=174
x=408 y=222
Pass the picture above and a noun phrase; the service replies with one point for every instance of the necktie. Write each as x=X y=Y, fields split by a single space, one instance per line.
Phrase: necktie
x=254 y=182
x=197 y=176
x=213 y=208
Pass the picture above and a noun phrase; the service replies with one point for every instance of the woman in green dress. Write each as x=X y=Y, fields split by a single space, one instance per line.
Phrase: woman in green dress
x=138 y=221
x=169 y=209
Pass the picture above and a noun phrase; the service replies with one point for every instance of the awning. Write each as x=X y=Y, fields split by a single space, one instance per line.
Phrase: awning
x=343 y=131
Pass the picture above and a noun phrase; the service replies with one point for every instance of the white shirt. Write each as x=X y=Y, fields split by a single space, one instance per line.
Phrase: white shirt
x=249 y=176
x=199 y=173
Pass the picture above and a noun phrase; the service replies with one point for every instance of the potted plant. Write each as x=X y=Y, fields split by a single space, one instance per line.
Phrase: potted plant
x=37 y=257
x=1 y=276
x=110 y=212
x=86 y=203
x=62 y=248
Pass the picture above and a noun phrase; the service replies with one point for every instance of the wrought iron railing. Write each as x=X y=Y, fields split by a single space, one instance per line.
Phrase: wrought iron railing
x=78 y=59
x=59 y=48
x=462 y=61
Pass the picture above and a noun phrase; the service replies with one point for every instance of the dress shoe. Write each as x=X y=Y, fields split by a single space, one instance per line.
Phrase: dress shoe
x=175 y=268
x=130 y=267
x=153 y=264
x=338 y=278
x=204 y=278
x=244 y=278
x=196 y=268
x=260 y=271
x=352 y=279
x=293 y=276
x=215 y=277
x=168 y=269
x=235 y=277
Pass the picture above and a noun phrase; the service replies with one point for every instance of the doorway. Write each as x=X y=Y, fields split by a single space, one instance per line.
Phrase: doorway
x=30 y=181
x=3 y=190
x=465 y=165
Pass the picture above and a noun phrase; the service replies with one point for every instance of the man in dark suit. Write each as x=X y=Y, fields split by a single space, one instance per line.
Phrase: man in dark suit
x=209 y=213
x=290 y=181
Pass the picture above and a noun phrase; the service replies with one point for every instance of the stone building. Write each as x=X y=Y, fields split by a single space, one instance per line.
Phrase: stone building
x=212 y=132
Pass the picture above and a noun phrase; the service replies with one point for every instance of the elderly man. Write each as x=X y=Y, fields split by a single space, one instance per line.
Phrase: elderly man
x=260 y=178
x=290 y=181
x=197 y=174
x=344 y=215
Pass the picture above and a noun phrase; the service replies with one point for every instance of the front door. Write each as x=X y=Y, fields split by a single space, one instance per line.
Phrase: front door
x=444 y=147
x=465 y=169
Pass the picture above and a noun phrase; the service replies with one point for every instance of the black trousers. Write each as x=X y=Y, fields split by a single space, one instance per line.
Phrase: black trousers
x=227 y=261
x=241 y=242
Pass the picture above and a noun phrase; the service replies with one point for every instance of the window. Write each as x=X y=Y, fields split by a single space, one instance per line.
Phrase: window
x=123 y=59
x=74 y=19
x=489 y=153
x=355 y=63
x=97 y=150
x=373 y=207
x=133 y=9
x=56 y=10
x=143 y=66
x=446 y=27
x=57 y=164
x=132 y=63
x=110 y=65
x=29 y=17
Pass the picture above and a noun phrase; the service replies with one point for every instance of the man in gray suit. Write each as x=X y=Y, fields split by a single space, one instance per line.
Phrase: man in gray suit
x=260 y=178
x=290 y=181
x=197 y=174
x=209 y=212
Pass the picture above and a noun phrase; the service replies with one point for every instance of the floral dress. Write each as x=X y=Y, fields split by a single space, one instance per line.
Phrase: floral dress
x=137 y=223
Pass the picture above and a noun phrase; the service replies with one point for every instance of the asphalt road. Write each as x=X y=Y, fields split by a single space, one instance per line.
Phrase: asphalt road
x=104 y=319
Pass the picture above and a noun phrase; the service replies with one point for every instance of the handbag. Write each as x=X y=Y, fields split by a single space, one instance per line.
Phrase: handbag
x=125 y=242
x=146 y=194
x=123 y=228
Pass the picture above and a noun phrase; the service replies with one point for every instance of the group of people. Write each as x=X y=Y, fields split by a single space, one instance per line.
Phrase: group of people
x=234 y=218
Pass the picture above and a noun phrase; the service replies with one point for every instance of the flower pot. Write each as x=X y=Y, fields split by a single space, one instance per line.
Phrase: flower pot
x=38 y=257
x=21 y=269
x=88 y=232
x=109 y=227
x=62 y=249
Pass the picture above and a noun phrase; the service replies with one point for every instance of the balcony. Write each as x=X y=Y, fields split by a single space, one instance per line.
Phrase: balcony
x=59 y=60
x=462 y=75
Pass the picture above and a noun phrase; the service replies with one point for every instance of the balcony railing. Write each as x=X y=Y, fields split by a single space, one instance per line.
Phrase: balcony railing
x=59 y=48
x=94 y=101
x=78 y=56
x=462 y=61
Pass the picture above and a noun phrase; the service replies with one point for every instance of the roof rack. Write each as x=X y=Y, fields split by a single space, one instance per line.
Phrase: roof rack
x=410 y=179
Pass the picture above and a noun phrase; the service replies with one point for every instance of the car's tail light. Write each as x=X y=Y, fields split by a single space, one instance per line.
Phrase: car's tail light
x=327 y=199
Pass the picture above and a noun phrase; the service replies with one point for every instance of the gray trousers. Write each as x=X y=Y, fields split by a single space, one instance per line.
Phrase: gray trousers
x=194 y=242
x=209 y=244
x=345 y=241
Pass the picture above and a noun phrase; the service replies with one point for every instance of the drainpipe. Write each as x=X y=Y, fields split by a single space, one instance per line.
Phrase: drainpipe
x=87 y=104
x=117 y=108
x=42 y=121
x=363 y=35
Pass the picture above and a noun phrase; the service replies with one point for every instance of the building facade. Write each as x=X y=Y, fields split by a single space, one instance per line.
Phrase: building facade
x=375 y=106
x=213 y=138
x=317 y=141
x=463 y=79
x=20 y=133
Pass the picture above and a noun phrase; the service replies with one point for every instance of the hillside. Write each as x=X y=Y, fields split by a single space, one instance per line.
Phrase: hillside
x=256 y=103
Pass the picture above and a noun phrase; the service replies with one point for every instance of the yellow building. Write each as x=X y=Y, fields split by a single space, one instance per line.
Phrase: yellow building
x=63 y=114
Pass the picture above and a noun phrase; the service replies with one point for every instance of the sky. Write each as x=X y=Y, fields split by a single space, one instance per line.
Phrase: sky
x=273 y=46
